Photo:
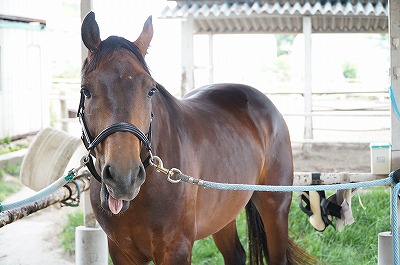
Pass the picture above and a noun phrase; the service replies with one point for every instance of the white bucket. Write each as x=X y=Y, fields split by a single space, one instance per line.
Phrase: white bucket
x=381 y=156
x=48 y=157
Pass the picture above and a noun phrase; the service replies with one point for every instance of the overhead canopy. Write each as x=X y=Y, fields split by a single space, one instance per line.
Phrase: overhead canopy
x=7 y=21
x=282 y=16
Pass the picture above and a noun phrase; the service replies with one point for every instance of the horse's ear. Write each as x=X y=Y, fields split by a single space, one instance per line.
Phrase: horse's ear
x=90 y=32
x=145 y=37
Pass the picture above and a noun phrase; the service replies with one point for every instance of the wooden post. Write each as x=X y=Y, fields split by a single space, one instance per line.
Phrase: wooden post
x=211 y=58
x=86 y=7
x=64 y=111
x=394 y=32
x=91 y=245
x=385 y=246
x=308 y=124
x=394 y=37
x=187 y=58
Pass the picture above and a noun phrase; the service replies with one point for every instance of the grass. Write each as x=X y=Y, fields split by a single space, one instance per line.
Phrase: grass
x=205 y=252
x=356 y=244
x=8 y=187
x=10 y=169
x=7 y=146
x=68 y=233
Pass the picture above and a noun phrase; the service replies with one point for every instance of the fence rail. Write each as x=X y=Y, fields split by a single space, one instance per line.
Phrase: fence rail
x=60 y=195
x=374 y=105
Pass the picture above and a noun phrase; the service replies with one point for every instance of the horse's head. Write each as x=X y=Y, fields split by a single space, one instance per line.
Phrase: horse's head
x=115 y=109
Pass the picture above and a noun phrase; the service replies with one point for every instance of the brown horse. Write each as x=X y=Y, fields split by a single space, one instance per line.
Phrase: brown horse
x=222 y=132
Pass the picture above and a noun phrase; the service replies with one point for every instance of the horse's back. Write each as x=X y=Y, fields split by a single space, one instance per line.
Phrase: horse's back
x=237 y=96
x=242 y=101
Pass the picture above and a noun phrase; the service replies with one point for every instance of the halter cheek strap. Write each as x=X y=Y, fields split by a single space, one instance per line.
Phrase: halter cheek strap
x=91 y=143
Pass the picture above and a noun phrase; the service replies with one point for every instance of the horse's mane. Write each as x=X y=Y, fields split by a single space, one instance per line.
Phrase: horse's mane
x=107 y=47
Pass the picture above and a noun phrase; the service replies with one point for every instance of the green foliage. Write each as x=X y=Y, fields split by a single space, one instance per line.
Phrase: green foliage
x=6 y=140
x=283 y=68
x=7 y=188
x=350 y=70
x=68 y=233
x=53 y=116
x=12 y=169
x=7 y=146
x=284 y=43
x=205 y=251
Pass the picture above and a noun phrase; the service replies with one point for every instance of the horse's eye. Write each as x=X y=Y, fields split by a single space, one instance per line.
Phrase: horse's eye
x=151 y=92
x=86 y=92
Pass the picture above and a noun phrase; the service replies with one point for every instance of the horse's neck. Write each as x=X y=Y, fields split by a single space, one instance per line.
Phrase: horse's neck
x=166 y=108
x=166 y=104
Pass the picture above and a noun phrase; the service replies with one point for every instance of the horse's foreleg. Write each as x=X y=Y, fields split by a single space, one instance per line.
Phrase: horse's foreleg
x=227 y=241
x=119 y=257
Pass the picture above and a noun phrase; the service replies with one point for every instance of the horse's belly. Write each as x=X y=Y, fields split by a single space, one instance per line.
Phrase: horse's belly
x=216 y=209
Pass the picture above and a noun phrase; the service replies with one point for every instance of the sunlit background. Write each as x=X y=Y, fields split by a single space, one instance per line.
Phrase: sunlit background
x=270 y=62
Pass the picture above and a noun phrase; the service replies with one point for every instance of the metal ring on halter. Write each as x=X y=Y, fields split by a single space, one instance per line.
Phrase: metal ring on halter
x=171 y=173
x=85 y=159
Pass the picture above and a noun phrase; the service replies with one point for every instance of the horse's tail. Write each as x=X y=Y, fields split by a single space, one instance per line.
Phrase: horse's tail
x=298 y=255
x=257 y=239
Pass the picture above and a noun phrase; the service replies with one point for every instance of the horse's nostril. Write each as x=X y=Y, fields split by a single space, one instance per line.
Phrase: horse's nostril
x=108 y=172
x=141 y=173
x=111 y=174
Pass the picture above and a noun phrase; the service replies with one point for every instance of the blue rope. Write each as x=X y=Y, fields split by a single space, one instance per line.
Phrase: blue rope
x=391 y=179
x=38 y=195
x=344 y=186
x=395 y=194
x=394 y=103
x=395 y=225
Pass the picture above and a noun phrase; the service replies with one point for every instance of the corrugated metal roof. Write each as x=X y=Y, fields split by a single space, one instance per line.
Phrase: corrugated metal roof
x=278 y=16
x=8 y=21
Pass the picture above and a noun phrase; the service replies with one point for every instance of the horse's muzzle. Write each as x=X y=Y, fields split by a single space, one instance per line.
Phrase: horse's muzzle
x=119 y=188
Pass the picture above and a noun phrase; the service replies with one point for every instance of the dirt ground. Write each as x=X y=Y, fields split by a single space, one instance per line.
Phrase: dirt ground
x=354 y=158
x=34 y=240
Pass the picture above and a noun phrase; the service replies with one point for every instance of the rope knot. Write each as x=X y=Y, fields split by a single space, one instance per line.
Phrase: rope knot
x=70 y=176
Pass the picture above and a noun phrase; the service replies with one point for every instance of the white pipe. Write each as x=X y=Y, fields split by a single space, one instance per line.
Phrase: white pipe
x=90 y=246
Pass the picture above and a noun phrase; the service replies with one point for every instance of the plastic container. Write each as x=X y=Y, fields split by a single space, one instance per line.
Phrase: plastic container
x=380 y=157
x=48 y=157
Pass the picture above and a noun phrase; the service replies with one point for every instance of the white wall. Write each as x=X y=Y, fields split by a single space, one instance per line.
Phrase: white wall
x=24 y=72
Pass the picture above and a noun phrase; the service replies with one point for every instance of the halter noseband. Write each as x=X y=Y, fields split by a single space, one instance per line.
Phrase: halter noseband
x=91 y=143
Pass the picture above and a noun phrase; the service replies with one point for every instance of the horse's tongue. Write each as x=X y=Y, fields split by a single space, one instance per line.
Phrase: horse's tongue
x=114 y=205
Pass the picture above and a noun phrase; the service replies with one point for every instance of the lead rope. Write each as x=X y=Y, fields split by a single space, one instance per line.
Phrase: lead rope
x=69 y=177
x=395 y=224
x=174 y=175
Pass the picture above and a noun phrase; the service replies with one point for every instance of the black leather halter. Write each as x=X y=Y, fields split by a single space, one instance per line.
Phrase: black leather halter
x=91 y=143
